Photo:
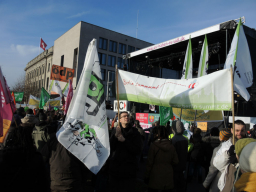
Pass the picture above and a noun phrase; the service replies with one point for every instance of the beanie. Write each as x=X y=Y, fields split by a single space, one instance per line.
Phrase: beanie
x=241 y=143
x=225 y=134
x=178 y=128
x=247 y=158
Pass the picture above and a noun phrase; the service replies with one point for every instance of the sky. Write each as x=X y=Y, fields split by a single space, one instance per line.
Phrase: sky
x=22 y=23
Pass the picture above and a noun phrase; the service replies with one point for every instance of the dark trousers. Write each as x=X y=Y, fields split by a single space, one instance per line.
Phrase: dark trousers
x=121 y=184
x=179 y=181
x=156 y=190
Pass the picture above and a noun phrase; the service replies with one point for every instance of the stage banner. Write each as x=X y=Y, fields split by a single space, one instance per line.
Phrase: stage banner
x=211 y=92
x=201 y=115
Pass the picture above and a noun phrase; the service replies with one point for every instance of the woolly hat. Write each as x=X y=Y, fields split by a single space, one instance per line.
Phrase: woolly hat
x=247 y=158
x=225 y=134
x=241 y=143
x=178 y=127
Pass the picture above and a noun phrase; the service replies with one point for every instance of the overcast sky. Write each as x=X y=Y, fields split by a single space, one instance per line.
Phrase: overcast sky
x=22 y=23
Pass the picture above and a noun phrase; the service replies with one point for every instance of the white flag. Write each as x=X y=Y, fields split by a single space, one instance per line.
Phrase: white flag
x=85 y=131
x=55 y=87
x=240 y=59
x=203 y=63
x=65 y=90
x=187 y=72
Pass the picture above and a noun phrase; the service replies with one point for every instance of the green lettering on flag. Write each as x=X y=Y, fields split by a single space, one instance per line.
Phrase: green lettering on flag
x=18 y=96
x=165 y=114
x=44 y=98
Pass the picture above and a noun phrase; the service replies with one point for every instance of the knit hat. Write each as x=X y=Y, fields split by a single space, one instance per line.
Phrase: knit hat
x=241 y=143
x=247 y=158
x=225 y=134
x=178 y=127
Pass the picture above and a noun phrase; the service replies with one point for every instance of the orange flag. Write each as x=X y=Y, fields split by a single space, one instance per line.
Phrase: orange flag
x=13 y=97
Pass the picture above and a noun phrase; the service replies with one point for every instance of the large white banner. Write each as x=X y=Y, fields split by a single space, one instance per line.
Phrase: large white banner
x=210 y=92
x=85 y=131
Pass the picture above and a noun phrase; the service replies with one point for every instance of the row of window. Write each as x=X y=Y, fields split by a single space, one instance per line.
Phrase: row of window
x=103 y=44
x=105 y=76
x=112 y=61
x=38 y=71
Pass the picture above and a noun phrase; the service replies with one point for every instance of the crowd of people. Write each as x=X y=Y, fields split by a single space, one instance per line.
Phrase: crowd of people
x=32 y=159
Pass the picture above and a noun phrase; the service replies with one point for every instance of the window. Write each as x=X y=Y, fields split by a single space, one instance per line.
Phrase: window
x=47 y=83
x=39 y=71
x=62 y=61
x=131 y=49
x=49 y=65
x=111 y=75
x=113 y=46
x=75 y=60
x=120 y=62
x=111 y=61
x=102 y=58
x=122 y=49
x=43 y=69
x=39 y=84
x=103 y=71
x=103 y=43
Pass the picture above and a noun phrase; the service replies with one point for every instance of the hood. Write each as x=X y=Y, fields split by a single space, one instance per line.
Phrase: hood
x=164 y=144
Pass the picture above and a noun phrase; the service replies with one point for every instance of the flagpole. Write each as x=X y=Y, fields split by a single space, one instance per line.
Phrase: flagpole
x=39 y=46
x=233 y=105
x=117 y=94
x=180 y=113
x=195 y=117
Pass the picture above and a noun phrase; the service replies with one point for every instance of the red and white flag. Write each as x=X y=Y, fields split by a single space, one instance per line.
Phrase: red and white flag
x=43 y=44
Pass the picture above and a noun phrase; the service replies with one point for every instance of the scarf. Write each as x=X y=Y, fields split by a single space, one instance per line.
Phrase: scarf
x=246 y=182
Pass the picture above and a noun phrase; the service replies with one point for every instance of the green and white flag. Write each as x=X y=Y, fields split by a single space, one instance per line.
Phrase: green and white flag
x=55 y=87
x=65 y=90
x=240 y=59
x=85 y=131
x=209 y=92
x=18 y=96
x=203 y=63
x=187 y=72
x=44 y=98
x=165 y=114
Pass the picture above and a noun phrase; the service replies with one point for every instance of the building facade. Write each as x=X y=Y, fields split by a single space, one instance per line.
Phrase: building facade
x=70 y=49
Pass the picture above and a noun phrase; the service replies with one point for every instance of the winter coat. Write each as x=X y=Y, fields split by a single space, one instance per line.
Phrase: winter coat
x=66 y=171
x=180 y=144
x=197 y=154
x=21 y=171
x=40 y=135
x=123 y=161
x=213 y=175
x=30 y=119
x=161 y=157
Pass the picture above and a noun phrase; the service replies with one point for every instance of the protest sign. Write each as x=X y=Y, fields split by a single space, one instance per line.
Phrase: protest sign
x=62 y=73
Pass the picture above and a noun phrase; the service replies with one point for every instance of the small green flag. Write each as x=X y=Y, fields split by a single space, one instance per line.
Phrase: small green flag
x=18 y=96
x=165 y=114
x=44 y=98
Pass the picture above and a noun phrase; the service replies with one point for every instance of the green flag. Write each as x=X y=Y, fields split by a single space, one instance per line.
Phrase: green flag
x=44 y=98
x=18 y=96
x=165 y=114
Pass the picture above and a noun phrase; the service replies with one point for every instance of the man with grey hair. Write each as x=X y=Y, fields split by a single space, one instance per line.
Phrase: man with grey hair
x=181 y=145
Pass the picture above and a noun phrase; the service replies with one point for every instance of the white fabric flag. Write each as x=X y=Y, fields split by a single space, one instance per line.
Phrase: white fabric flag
x=55 y=87
x=240 y=59
x=187 y=72
x=65 y=90
x=85 y=131
x=209 y=92
x=203 y=63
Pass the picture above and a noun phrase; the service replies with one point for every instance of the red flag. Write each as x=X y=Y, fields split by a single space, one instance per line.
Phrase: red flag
x=69 y=97
x=13 y=107
x=43 y=44
x=13 y=97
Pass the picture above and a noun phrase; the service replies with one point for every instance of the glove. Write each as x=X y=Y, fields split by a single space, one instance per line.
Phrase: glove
x=232 y=155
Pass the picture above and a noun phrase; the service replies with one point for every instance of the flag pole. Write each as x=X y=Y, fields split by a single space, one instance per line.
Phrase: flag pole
x=233 y=105
x=117 y=94
x=195 y=117
x=39 y=46
x=180 y=113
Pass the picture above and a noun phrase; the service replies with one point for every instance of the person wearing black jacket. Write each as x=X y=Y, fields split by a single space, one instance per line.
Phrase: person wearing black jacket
x=125 y=145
